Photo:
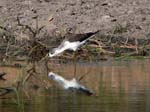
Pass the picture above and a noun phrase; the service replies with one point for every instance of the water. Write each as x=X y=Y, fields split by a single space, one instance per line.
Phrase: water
x=120 y=86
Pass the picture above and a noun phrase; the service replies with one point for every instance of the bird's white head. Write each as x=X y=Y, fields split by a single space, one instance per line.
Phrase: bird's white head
x=50 y=55
x=52 y=75
x=56 y=78
x=54 y=52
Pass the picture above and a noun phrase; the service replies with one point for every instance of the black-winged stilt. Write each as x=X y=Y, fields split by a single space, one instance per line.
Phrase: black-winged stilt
x=2 y=76
x=72 y=85
x=72 y=42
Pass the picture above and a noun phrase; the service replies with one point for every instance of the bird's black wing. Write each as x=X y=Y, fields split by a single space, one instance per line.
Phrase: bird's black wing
x=81 y=90
x=79 y=37
x=86 y=91
x=72 y=89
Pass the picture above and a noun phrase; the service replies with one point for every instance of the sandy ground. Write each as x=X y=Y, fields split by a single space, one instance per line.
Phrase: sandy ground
x=80 y=15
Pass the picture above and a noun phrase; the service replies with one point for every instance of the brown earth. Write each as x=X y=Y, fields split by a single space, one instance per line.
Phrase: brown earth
x=129 y=18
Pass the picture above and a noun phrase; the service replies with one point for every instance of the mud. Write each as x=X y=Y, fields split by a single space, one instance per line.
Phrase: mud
x=80 y=15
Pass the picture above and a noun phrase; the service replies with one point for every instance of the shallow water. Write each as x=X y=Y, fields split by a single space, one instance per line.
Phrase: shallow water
x=120 y=86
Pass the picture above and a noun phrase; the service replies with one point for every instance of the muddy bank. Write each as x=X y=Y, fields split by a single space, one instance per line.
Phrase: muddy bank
x=100 y=47
x=81 y=15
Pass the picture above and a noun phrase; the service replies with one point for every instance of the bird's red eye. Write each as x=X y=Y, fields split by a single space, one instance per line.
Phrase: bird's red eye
x=52 y=76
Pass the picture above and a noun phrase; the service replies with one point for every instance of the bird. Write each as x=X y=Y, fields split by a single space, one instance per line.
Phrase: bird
x=2 y=76
x=72 y=42
x=71 y=85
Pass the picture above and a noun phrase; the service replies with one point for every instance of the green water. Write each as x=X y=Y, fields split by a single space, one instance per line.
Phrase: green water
x=120 y=86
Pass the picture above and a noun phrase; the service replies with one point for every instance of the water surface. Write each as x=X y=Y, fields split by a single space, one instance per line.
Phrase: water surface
x=120 y=86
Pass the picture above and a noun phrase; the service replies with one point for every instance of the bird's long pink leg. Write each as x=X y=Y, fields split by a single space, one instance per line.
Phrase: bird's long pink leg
x=75 y=64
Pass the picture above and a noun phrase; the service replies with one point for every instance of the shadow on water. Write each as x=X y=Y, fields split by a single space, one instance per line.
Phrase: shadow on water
x=120 y=86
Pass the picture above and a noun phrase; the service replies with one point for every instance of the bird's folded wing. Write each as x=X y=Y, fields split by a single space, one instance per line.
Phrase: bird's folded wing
x=86 y=90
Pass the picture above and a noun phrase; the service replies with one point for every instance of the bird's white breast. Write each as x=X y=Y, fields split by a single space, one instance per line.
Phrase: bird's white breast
x=73 y=45
x=71 y=83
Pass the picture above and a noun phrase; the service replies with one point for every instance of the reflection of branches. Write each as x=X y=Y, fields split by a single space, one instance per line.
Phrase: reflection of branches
x=30 y=72
x=6 y=90
x=42 y=81
x=89 y=70
x=2 y=76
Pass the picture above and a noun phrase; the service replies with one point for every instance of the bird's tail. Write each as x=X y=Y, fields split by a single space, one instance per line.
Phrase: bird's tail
x=90 y=35
x=86 y=91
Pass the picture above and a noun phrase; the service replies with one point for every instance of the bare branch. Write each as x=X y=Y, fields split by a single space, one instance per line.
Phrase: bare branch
x=26 y=26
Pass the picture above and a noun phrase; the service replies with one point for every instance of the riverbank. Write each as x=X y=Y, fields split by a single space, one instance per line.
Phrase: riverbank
x=100 y=47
